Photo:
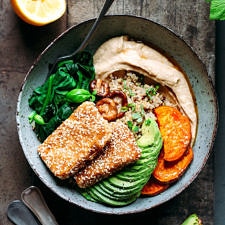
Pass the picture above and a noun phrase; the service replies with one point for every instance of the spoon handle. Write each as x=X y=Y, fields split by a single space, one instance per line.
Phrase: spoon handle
x=104 y=10
x=19 y=214
x=88 y=37
x=34 y=200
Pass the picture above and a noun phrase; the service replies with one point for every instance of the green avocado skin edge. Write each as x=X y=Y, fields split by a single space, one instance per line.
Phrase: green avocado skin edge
x=125 y=186
x=192 y=220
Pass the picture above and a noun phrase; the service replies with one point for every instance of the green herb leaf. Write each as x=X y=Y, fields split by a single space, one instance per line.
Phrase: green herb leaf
x=152 y=91
x=135 y=129
x=130 y=124
x=125 y=84
x=132 y=127
x=124 y=109
x=132 y=106
x=131 y=93
x=78 y=95
x=217 y=9
x=147 y=122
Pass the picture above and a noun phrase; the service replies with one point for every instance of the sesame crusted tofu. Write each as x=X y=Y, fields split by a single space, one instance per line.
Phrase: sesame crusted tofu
x=118 y=153
x=77 y=140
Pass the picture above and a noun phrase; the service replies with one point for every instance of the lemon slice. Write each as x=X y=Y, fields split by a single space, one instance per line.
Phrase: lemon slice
x=39 y=12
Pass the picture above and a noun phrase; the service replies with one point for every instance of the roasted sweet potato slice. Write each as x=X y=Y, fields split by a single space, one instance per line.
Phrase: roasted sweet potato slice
x=153 y=187
x=168 y=172
x=176 y=131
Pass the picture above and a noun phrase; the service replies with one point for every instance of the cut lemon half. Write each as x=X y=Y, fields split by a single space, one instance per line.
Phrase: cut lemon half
x=39 y=12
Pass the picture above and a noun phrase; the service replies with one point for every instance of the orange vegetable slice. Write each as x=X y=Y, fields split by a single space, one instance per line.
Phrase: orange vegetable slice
x=153 y=187
x=168 y=172
x=176 y=131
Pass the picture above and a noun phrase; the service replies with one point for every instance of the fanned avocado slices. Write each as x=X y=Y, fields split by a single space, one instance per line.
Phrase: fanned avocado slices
x=125 y=186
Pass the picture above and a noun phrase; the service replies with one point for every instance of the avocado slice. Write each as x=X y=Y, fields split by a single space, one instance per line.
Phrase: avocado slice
x=121 y=193
x=150 y=133
x=125 y=186
x=98 y=194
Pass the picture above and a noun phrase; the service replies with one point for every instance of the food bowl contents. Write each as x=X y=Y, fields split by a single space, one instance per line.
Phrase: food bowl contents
x=121 y=123
x=121 y=150
x=124 y=187
x=39 y=13
x=121 y=53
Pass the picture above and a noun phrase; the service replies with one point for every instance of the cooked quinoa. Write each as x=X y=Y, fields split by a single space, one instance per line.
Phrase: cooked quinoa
x=142 y=99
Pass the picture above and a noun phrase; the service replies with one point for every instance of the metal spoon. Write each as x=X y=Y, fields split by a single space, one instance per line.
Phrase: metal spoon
x=34 y=200
x=19 y=214
x=88 y=37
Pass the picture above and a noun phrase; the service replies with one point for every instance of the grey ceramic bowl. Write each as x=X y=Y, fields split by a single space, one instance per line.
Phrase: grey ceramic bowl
x=146 y=31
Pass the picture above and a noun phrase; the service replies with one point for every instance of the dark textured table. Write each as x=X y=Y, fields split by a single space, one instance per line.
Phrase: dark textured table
x=20 y=44
x=219 y=165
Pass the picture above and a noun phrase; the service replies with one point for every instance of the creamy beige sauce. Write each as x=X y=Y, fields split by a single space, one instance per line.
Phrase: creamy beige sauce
x=120 y=53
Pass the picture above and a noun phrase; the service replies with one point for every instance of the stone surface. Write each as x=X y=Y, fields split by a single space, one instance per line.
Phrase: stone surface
x=20 y=44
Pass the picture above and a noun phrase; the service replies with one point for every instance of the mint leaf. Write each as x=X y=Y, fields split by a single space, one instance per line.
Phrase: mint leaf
x=217 y=10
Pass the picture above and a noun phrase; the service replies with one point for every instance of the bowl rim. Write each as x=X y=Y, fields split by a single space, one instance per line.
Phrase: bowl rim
x=112 y=210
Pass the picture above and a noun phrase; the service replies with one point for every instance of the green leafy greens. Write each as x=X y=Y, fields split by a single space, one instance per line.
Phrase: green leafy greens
x=55 y=100
x=217 y=9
